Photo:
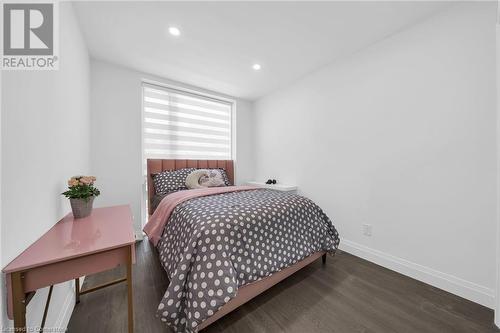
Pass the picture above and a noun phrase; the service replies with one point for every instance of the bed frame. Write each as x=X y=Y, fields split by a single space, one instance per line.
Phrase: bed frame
x=157 y=166
x=248 y=291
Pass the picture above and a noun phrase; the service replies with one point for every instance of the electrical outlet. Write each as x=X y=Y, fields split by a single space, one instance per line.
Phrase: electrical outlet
x=367 y=229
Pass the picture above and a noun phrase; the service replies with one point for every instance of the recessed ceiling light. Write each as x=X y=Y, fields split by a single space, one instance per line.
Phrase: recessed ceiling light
x=174 y=31
x=256 y=67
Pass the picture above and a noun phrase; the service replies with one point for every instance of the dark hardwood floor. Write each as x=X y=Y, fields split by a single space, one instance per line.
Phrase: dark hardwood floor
x=347 y=294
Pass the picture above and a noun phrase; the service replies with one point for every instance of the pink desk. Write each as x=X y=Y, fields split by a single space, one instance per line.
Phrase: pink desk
x=71 y=249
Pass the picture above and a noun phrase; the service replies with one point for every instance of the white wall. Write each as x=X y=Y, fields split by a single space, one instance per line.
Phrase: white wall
x=116 y=156
x=400 y=135
x=245 y=160
x=3 y=315
x=497 y=309
x=45 y=140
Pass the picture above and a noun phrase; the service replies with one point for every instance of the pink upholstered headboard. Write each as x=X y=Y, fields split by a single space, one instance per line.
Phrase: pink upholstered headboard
x=156 y=166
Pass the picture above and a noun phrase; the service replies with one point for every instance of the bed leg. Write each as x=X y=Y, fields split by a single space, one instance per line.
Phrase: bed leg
x=323 y=258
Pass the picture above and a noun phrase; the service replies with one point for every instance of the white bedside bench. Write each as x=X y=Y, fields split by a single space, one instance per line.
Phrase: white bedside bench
x=277 y=187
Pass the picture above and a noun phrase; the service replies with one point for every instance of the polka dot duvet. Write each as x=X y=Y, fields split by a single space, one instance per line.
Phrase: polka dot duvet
x=212 y=245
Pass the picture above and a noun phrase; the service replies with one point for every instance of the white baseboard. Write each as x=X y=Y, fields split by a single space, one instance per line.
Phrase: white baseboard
x=455 y=285
x=67 y=308
x=66 y=311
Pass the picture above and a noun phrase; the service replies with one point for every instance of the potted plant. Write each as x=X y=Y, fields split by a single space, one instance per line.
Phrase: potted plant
x=81 y=194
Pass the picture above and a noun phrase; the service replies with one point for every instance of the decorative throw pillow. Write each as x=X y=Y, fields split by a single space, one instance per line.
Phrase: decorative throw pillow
x=169 y=181
x=205 y=178
x=193 y=179
x=214 y=178
x=224 y=176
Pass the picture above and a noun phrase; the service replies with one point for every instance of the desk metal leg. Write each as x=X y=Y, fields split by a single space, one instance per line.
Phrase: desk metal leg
x=46 y=310
x=77 y=290
x=19 y=302
x=129 y=288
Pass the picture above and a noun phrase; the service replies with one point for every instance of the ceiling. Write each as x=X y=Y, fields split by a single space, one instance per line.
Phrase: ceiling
x=220 y=41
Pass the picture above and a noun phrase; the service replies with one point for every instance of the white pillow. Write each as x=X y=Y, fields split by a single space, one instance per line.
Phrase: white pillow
x=214 y=178
x=205 y=178
x=193 y=179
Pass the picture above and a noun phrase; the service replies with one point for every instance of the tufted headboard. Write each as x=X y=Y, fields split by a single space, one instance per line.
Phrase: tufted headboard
x=156 y=166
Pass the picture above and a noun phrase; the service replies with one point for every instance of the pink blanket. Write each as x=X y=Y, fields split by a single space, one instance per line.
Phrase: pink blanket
x=156 y=224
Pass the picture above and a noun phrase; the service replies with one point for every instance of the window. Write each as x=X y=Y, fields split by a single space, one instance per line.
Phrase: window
x=183 y=125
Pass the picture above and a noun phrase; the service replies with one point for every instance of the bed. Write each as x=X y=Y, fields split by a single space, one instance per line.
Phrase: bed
x=194 y=300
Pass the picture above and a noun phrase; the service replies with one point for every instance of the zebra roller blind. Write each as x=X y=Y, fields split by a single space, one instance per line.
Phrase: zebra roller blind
x=183 y=125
